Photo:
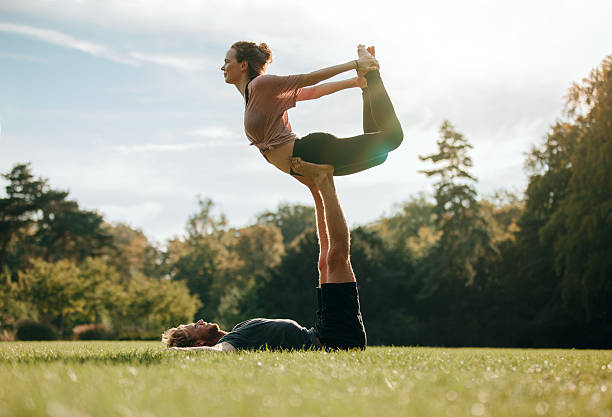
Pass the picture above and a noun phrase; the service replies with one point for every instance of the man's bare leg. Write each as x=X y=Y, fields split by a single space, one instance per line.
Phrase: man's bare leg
x=338 y=261
x=322 y=234
x=339 y=267
x=321 y=227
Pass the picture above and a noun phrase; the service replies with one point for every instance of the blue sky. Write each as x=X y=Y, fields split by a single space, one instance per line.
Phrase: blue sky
x=123 y=102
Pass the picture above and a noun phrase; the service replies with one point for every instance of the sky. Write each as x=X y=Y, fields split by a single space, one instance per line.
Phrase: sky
x=123 y=103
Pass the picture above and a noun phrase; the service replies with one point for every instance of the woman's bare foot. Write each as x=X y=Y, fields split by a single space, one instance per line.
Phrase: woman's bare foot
x=362 y=51
x=366 y=61
x=317 y=172
x=371 y=50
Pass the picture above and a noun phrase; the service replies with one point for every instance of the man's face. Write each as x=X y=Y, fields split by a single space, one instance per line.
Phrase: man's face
x=204 y=334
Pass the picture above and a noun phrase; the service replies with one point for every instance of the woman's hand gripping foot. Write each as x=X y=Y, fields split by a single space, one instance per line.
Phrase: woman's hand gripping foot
x=366 y=61
x=361 y=80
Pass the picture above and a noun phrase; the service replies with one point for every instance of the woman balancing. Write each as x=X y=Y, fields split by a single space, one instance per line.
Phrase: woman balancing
x=268 y=97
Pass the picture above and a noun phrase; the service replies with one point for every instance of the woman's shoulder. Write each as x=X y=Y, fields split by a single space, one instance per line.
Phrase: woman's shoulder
x=265 y=79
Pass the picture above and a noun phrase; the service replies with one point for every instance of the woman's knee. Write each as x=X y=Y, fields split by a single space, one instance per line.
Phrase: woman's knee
x=395 y=136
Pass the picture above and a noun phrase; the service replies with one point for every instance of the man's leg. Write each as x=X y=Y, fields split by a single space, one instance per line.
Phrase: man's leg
x=338 y=261
x=322 y=235
x=339 y=322
x=321 y=227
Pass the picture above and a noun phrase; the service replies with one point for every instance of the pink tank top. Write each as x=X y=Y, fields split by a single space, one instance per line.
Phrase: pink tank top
x=266 y=123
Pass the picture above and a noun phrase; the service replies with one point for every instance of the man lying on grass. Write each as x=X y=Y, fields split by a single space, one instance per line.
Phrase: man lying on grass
x=339 y=324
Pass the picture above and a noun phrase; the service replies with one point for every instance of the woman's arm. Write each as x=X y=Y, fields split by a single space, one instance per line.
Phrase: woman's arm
x=363 y=63
x=311 y=93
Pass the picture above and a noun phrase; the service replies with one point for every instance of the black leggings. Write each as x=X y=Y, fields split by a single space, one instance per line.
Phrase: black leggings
x=382 y=134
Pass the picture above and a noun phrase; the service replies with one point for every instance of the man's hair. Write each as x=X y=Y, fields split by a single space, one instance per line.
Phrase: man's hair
x=177 y=336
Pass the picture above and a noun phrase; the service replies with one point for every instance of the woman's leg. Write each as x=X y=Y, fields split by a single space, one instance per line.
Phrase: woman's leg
x=382 y=134
x=383 y=113
x=369 y=124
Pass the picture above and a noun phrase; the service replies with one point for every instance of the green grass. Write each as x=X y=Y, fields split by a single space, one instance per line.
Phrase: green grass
x=128 y=379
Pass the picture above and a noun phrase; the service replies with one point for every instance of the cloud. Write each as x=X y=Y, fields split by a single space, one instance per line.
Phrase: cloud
x=66 y=41
x=170 y=147
x=22 y=57
x=215 y=132
x=181 y=63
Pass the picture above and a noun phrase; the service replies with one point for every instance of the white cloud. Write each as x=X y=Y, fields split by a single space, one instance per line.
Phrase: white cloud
x=61 y=39
x=181 y=63
x=216 y=132
x=170 y=147
x=22 y=57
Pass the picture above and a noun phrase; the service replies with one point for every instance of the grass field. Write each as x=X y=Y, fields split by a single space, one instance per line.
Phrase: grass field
x=128 y=379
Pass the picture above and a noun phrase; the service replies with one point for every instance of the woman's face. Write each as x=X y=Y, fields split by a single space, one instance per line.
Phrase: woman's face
x=232 y=69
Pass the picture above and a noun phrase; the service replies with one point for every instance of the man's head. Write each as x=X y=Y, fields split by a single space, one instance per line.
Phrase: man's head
x=199 y=333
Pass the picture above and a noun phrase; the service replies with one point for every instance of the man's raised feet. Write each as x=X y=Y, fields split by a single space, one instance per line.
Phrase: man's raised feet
x=319 y=173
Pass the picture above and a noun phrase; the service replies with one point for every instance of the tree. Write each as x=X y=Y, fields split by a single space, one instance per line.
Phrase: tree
x=11 y=308
x=153 y=305
x=292 y=220
x=464 y=234
x=52 y=290
x=580 y=226
x=37 y=221
x=19 y=208
x=202 y=260
x=411 y=229
x=131 y=252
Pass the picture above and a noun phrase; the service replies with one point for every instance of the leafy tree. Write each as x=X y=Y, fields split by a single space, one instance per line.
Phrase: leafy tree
x=292 y=220
x=464 y=234
x=52 y=290
x=411 y=228
x=67 y=232
x=258 y=249
x=131 y=252
x=39 y=222
x=19 y=208
x=290 y=290
x=203 y=259
x=580 y=227
x=101 y=291
x=152 y=304
x=11 y=308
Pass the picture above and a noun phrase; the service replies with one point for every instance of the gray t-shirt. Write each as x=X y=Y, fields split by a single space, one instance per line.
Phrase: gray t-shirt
x=272 y=334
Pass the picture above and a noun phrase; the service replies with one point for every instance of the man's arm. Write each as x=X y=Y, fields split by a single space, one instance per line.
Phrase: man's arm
x=311 y=93
x=219 y=347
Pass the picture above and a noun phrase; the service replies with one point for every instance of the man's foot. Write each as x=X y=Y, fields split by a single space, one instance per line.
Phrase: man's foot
x=366 y=61
x=319 y=173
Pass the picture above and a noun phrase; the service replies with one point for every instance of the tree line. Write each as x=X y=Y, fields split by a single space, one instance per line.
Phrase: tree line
x=447 y=268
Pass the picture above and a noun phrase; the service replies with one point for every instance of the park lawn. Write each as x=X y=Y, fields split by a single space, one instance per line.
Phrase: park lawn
x=143 y=379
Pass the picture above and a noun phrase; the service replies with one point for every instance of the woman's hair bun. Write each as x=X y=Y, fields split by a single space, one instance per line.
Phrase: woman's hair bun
x=265 y=49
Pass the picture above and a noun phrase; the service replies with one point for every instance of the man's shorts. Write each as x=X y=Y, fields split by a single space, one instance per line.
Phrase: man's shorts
x=339 y=323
